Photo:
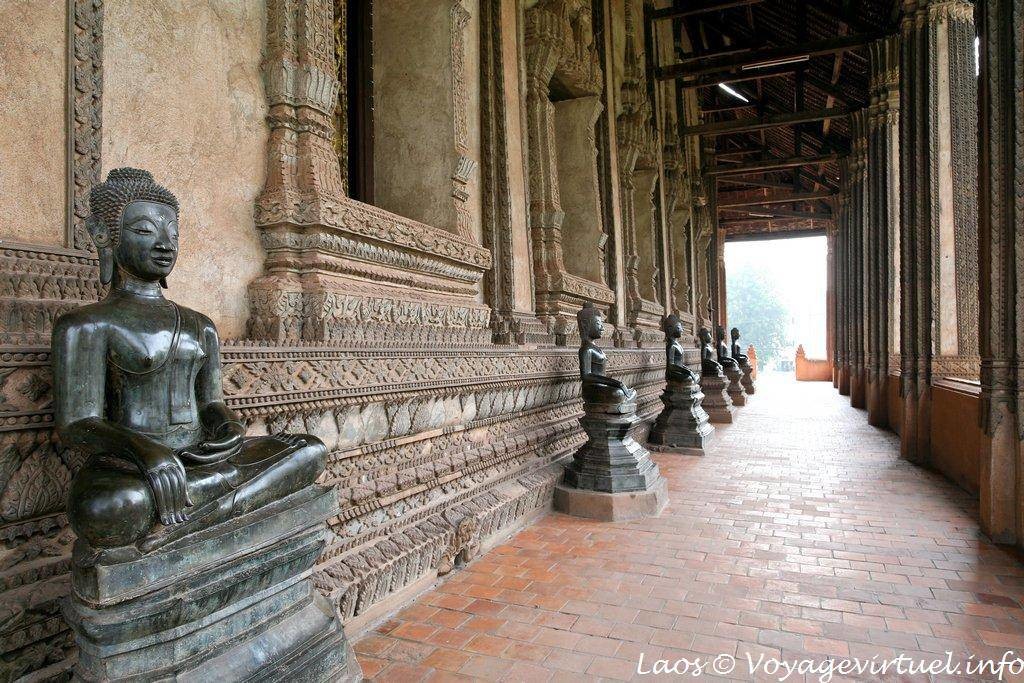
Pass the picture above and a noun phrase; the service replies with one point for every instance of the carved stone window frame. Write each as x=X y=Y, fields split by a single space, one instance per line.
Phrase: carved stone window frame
x=83 y=116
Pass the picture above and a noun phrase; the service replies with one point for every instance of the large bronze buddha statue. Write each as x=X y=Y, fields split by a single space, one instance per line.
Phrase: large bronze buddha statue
x=737 y=353
x=708 y=358
x=138 y=388
x=598 y=388
x=676 y=369
x=724 y=357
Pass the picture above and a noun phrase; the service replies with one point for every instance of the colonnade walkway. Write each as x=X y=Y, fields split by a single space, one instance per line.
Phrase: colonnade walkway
x=800 y=536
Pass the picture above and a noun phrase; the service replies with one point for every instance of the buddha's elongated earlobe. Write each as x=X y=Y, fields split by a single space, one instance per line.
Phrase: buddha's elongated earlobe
x=104 y=247
x=163 y=282
x=106 y=255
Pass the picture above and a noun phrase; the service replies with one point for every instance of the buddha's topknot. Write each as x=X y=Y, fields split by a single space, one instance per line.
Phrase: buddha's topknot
x=107 y=201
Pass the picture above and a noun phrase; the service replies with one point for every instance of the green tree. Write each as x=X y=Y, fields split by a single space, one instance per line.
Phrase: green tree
x=763 y=320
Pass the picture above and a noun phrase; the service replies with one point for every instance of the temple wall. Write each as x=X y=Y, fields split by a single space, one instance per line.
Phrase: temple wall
x=408 y=341
x=32 y=94
x=183 y=97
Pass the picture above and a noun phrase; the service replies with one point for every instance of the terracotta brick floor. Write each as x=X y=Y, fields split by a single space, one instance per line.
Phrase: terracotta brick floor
x=800 y=535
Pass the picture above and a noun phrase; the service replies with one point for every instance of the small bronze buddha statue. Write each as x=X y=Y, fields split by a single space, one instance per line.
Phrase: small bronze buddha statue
x=726 y=360
x=137 y=387
x=597 y=386
x=709 y=364
x=675 y=366
x=740 y=357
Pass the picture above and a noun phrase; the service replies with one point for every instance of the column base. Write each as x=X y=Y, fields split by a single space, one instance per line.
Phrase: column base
x=612 y=507
x=858 y=395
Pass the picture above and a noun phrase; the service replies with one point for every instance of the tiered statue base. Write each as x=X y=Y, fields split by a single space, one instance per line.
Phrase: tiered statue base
x=717 y=402
x=735 y=389
x=611 y=477
x=232 y=603
x=748 y=378
x=682 y=426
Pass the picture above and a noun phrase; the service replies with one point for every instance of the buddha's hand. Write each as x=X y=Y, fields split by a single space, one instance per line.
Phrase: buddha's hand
x=166 y=477
x=226 y=440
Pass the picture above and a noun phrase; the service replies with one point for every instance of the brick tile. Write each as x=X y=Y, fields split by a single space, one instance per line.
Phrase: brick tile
x=608 y=667
x=443 y=658
x=576 y=662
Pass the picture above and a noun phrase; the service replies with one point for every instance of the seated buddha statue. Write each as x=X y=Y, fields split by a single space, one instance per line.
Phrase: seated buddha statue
x=727 y=361
x=740 y=357
x=597 y=387
x=709 y=364
x=137 y=388
x=675 y=365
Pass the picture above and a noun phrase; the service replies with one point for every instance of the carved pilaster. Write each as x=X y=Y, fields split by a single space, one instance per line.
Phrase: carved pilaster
x=883 y=172
x=1001 y=232
x=858 y=252
x=843 y=303
x=512 y=319
x=938 y=205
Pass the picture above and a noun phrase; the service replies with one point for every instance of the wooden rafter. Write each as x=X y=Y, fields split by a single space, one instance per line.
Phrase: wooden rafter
x=695 y=66
x=689 y=8
x=774 y=164
x=725 y=201
x=760 y=122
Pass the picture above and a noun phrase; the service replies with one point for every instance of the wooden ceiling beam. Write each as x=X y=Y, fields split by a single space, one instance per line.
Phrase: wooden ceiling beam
x=716 y=62
x=775 y=164
x=712 y=80
x=725 y=201
x=756 y=182
x=778 y=213
x=689 y=8
x=760 y=122
x=729 y=107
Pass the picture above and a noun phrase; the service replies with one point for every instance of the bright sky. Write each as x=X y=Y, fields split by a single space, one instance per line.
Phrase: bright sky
x=796 y=270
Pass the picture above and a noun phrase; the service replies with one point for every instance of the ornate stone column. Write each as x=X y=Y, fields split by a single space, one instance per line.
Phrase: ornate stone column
x=842 y=284
x=508 y=285
x=1001 y=232
x=857 y=294
x=830 y=302
x=883 y=177
x=938 y=207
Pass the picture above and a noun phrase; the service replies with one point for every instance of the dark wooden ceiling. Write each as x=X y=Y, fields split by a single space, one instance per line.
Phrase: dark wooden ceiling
x=792 y=59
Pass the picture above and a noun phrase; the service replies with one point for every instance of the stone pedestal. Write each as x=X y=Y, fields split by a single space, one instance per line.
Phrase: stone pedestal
x=682 y=426
x=717 y=402
x=735 y=388
x=232 y=603
x=748 y=378
x=613 y=465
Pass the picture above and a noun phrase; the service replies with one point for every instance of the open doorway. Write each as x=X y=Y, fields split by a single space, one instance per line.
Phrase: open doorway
x=775 y=295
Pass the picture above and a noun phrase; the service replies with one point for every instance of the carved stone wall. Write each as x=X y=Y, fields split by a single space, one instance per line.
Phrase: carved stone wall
x=414 y=351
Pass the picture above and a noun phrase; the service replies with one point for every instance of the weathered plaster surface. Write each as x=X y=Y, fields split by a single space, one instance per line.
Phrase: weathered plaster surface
x=415 y=152
x=32 y=93
x=183 y=98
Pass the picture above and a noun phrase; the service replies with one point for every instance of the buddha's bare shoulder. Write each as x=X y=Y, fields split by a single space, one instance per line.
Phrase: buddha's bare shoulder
x=195 y=318
x=93 y=316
